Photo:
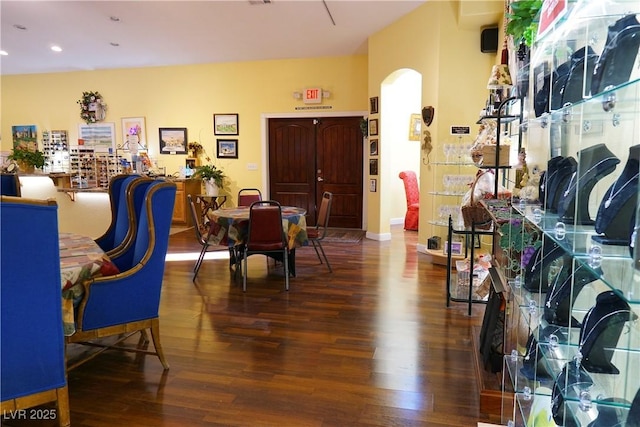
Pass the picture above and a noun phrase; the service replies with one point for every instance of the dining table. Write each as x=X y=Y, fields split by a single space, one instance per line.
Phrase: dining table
x=80 y=259
x=230 y=227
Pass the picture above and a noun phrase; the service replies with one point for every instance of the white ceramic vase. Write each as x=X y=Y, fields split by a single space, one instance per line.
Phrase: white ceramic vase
x=211 y=187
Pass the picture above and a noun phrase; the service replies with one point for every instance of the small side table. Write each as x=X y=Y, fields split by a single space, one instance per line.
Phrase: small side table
x=209 y=203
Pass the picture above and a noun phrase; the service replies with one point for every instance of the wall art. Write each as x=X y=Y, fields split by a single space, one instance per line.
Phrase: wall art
x=100 y=136
x=25 y=136
x=227 y=148
x=134 y=134
x=173 y=140
x=373 y=127
x=225 y=124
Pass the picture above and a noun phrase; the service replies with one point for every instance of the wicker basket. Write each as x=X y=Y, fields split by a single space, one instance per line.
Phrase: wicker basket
x=475 y=213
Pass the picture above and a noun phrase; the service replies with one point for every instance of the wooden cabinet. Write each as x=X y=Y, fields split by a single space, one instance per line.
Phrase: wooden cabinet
x=181 y=213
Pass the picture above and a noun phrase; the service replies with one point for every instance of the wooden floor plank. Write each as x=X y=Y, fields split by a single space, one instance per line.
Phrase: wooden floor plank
x=371 y=344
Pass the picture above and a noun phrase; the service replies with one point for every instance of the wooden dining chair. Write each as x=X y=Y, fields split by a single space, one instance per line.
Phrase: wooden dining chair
x=32 y=354
x=128 y=302
x=317 y=234
x=266 y=236
x=246 y=196
x=202 y=235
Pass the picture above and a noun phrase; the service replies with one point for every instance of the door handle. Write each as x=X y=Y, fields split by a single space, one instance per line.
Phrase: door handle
x=320 y=179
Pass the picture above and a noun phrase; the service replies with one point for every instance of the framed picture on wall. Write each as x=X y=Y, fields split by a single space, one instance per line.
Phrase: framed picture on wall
x=373 y=127
x=374 y=105
x=25 y=136
x=373 y=167
x=227 y=148
x=373 y=185
x=134 y=135
x=173 y=140
x=373 y=147
x=100 y=136
x=415 y=126
x=225 y=124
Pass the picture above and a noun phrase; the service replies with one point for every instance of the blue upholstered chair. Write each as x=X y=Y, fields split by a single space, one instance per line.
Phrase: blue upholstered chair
x=32 y=356
x=128 y=302
x=119 y=222
x=129 y=212
x=10 y=185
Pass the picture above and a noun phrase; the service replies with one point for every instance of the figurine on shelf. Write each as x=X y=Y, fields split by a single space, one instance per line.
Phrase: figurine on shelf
x=522 y=171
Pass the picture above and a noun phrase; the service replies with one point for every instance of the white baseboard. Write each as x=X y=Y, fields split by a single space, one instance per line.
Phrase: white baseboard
x=379 y=237
x=396 y=221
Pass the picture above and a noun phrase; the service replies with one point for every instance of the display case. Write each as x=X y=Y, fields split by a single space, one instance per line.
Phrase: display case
x=451 y=170
x=574 y=305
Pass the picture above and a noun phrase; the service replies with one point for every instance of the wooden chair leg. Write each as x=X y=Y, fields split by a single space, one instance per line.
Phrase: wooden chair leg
x=62 y=402
x=155 y=335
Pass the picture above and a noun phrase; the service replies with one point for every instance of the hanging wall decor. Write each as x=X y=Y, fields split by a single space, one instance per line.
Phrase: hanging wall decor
x=92 y=107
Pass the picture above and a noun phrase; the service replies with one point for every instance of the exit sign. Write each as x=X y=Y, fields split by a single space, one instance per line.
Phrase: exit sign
x=312 y=95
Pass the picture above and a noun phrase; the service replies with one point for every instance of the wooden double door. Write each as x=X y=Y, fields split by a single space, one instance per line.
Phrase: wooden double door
x=308 y=156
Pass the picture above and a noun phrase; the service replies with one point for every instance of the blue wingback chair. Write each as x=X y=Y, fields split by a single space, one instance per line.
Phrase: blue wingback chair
x=32 y=356
x=128 y=302
x=129 y=212
x=119 y=220
x=10 y=185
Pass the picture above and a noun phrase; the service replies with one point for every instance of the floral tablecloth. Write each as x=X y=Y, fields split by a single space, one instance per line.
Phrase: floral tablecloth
x=80 y=259
x=230 y=226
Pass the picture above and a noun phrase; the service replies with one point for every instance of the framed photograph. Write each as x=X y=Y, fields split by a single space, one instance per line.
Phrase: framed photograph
x=173 y=140
x=373 y=127
x=373 y=147
x=456 y=248
x=227 y=148
x=415 y=127
x=190 y=163
x=99 y=136
x=134 y=134
x=373 y=183
x=25 y=136
x=373 y=105
x=225 y=124
x=373 y=167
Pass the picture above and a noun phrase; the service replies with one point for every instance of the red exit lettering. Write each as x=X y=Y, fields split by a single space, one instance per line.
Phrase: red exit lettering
x=312 y=93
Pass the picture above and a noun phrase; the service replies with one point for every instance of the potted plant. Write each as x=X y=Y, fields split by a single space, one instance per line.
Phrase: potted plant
x=522 y=23
x=212 y=176
x=27 y=159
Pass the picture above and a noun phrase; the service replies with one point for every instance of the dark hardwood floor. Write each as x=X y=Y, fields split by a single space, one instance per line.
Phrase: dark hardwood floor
x=372 y=344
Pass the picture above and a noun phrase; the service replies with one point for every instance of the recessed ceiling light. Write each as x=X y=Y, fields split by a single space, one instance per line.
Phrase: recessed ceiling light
x=19 y=27
x=56 y=48
x=3 y=53
x=114 y=44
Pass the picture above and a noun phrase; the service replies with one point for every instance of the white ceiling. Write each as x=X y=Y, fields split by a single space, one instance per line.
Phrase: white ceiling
x=157 y=33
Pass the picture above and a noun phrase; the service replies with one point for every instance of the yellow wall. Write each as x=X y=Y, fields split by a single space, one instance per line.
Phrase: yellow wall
x=187 y=96
x=436 y=41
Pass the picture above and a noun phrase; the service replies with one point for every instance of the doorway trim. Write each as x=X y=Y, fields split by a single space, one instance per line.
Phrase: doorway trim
x=264 y=126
